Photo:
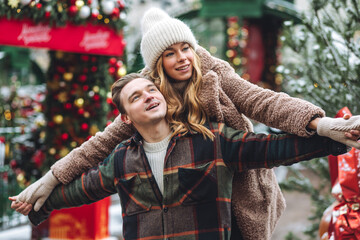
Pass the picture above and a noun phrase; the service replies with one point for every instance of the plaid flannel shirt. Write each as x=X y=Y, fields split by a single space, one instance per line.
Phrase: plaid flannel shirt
x=198 y=173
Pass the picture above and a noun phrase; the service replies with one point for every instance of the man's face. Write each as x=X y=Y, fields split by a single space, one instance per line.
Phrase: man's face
x=143 y=103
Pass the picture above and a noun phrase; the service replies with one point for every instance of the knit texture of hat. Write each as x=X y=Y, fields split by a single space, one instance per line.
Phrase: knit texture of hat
x=160 y=31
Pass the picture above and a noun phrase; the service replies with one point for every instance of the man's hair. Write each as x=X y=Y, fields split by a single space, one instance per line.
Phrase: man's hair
x=119 y=85
x=185 y=112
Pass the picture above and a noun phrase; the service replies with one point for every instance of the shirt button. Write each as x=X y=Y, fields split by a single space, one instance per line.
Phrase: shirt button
x=165 y=209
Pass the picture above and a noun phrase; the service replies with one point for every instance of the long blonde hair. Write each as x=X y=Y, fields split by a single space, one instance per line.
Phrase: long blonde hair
x=185 y=112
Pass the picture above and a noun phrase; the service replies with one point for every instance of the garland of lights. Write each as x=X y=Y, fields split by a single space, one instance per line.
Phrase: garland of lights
x=236 y=44
x=61 y=12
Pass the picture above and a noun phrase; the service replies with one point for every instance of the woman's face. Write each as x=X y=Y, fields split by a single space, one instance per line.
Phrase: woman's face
x=178 y=61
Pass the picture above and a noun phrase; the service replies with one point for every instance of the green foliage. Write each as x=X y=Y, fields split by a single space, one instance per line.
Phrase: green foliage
x=321 y=59
x=325 y=56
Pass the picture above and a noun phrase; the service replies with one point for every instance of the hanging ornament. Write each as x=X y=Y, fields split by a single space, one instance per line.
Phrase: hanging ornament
x=84 y=126
x=79 y=3
x=62 y=97
x=94 y=12
x=58 y=119
x=13 y=3
x=68 y=76
x=122 y=71
x=48 y=10
x=52 y=151
x=63 y=152
x=24 y=2
x=79 y=102
x=107 y=6
x=93 y=129
x=38 y=5
x=115 y=13
x=73 y=10
x=121 y=4
x=82 y=78
x=84 y=12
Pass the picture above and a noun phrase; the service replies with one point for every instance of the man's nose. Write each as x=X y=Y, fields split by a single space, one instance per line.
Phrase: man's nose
x=148 y=96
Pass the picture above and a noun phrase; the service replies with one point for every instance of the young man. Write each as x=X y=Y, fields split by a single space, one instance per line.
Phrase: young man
x=176 y=187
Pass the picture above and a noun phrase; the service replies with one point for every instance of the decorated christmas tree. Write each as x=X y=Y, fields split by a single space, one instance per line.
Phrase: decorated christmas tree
x=321 y=64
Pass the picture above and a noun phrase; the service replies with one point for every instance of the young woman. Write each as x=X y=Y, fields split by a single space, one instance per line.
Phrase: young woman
x=198 y=87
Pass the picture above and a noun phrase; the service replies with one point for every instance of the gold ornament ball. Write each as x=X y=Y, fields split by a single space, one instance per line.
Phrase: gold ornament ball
x=68 y=76
x=63 y=152
x=79 y=102
x=79 y=3
x=96 y=89
x=59 y=54
x=122 y=71
x=20 y=178
x=73 y=144
x=93 y=130
x=237 y=61
x=52 y=151
x=58 y=119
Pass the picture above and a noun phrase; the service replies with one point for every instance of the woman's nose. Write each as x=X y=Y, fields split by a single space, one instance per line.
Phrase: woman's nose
x=181 y=56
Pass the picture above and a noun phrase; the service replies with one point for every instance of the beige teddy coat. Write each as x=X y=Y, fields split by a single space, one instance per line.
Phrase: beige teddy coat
x=257 y=199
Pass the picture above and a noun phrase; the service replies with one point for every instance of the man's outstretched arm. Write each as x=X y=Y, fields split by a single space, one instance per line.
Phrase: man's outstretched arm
x=90 y=187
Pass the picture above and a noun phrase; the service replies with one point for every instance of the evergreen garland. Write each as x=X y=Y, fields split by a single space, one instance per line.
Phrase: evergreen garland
x=59 y=13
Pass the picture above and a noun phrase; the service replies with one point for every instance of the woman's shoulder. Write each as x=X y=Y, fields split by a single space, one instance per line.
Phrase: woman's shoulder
x=211 y=63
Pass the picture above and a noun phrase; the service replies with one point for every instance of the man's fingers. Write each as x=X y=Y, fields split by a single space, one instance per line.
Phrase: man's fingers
x=352 y=135
x=27 y=209
x=16 y=205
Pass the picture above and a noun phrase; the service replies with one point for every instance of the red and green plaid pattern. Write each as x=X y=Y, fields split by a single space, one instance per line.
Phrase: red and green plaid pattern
x=198 y=177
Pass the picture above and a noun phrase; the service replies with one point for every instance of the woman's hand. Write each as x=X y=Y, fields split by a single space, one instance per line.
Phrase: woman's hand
x=345 y=130
x=36 y=194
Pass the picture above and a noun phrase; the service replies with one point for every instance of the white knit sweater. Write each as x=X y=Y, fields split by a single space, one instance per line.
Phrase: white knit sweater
x=155 y=153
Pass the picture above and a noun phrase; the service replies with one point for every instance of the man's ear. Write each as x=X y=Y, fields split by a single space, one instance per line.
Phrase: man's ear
x=125 y=118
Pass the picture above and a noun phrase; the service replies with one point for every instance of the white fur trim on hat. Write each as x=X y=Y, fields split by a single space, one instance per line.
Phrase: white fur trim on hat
x=160 y=31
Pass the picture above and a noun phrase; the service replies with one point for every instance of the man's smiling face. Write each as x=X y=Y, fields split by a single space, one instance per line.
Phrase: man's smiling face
x=143 y=103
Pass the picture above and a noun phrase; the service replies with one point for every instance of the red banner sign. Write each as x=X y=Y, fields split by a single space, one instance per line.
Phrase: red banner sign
x=89 y=39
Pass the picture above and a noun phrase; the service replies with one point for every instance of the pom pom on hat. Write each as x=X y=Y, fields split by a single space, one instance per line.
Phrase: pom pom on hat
x=160 y=31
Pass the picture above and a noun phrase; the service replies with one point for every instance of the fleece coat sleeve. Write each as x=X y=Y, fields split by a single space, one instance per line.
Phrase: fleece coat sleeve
x=275 y=109
x=91 y=152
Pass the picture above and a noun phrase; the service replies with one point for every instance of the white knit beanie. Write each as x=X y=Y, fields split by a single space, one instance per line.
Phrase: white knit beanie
x=160 y=31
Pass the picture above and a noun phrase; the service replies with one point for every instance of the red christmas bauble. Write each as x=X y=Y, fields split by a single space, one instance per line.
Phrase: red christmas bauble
x=112 y=61
x=13 y=164
x=111 y=70
x=82 y=78
x=84 y=126
x=64 y=136
x=47 y=14
x=73 y=10
x=96 y=97
x=85 y=58
x=115 y=13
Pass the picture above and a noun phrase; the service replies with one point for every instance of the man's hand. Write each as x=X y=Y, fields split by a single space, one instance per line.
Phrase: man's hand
x=36 y=193
x=353 y=134
x=344 y=130
x=21 y=207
